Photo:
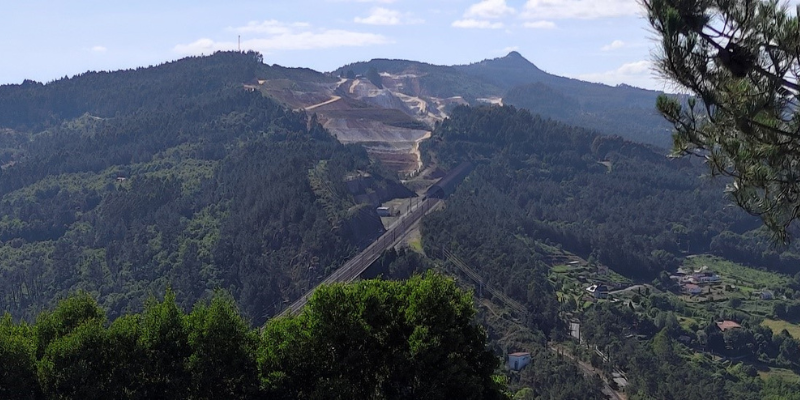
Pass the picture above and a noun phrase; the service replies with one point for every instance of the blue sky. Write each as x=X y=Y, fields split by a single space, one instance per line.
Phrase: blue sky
x=598 y=40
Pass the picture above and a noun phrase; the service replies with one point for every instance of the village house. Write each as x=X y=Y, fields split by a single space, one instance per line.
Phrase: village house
x=599 y=291
x=692 y=289
x=727 y=325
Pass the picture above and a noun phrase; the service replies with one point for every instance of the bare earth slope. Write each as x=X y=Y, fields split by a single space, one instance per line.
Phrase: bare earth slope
x=391 y=120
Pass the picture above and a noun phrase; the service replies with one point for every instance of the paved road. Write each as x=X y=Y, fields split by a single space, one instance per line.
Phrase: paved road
x=358 y=264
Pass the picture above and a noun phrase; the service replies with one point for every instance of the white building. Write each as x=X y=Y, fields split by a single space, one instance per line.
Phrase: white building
x=518 y=361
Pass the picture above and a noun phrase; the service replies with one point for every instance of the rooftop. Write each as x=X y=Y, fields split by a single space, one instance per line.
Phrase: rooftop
x=725 y=325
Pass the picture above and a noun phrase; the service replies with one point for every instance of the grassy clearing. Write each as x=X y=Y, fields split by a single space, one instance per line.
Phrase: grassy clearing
x=416 y=245
x=561 y=269
x=778 y=325
x=780 y=373
x=686 y=322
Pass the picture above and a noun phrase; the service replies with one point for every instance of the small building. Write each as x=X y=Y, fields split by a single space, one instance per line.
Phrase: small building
x=518 y=361
x=766 y=295
x=598 y=291
x=384 y=211
x=447 y=185
x=726 y=325
x=710 y=278
x=692 y=289
x=575 y=331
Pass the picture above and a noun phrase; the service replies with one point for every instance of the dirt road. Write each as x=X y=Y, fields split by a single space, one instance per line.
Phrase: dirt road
x=333 y=99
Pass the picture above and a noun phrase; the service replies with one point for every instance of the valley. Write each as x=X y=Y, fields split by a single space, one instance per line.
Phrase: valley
x=259 y=183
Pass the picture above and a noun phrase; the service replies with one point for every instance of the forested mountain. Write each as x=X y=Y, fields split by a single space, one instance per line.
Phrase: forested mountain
x=190 y=177
x=541 y=186
x=630 y=207
x=122 y=184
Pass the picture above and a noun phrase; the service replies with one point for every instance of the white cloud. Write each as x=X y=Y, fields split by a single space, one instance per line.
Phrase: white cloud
x=477 y=24
x=385 y=16
x=579 y=9
x=489 y=9
x=617 y=44
x=637 y=73
x=276 y=35
x=509 y=49
x=539 y=25
x=99 y=49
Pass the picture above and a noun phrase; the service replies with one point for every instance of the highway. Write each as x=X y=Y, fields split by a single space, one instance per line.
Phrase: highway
x=358 y=264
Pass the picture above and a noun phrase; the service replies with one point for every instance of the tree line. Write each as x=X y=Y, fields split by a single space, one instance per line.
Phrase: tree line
x=373 y=339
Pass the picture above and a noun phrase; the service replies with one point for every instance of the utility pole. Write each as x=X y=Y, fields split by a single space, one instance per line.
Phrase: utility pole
x=240 y=43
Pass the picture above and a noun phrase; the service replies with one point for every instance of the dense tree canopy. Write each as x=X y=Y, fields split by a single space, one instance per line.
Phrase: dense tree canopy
x=370 y=340
x=124 y=183
x=635 y=209
x=741 y=59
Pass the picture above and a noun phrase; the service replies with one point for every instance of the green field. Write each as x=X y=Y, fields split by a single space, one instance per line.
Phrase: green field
x=778 y=325
x=416 y=245
x=781 y=373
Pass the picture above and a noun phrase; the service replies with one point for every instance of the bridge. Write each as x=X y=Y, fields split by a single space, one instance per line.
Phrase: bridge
x=353 y=268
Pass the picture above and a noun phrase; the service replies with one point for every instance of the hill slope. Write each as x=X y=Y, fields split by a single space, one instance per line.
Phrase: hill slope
x=124 y=183
x=616 y=110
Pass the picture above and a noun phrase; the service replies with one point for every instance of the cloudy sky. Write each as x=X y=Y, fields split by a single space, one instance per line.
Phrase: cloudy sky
x=597 y=40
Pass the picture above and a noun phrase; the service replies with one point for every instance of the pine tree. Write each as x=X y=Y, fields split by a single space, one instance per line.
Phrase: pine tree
x=740 y=58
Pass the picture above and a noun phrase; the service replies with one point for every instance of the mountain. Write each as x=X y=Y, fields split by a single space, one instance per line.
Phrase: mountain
x=222 y=172
x=621 y=110
x=180 y=175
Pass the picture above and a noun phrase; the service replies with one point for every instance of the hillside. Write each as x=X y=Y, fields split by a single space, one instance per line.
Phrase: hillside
x=551 y=209
x=122 y=184
x=621 y=110
x=622 y=203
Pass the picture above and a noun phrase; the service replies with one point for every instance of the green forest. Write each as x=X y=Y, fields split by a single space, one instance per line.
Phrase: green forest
x=379 y=339
x=540 y=184
x=153 y=222
x=201 y=188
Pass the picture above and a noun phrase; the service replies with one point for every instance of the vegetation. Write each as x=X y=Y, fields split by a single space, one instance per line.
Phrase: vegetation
x=502 y=217
x=204 y=185
x=188 y=181
x=638 y=218
x=375 y=339
x=741 y=61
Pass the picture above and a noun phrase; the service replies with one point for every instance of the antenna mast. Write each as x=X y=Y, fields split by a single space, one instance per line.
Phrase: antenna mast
x=240 y=43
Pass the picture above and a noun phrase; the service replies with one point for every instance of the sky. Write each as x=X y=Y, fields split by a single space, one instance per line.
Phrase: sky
x=605 y=41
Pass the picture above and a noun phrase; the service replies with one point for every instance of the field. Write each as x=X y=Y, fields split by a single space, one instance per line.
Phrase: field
x=781 y=373
x=778 y=325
